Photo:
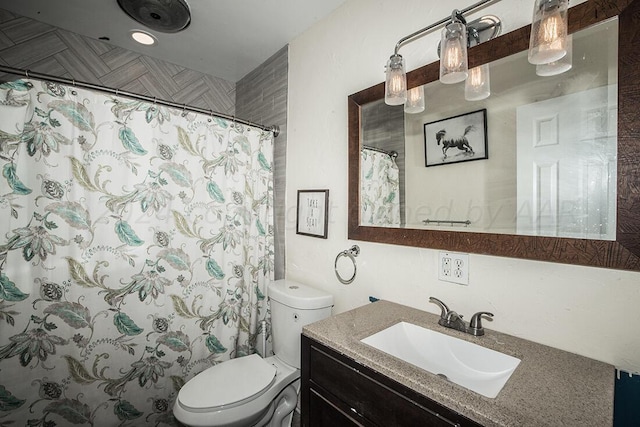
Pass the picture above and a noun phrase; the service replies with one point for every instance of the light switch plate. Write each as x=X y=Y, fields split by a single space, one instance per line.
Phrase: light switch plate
x=453 y=267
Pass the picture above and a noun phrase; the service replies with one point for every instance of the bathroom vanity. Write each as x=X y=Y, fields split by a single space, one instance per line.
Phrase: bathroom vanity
x=346 y=382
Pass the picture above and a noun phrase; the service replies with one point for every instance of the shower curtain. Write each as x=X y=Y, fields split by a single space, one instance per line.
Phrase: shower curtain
x=136 y=244
x=380 y=189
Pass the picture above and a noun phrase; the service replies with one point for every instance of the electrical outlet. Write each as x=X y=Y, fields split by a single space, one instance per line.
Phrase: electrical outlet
x=453 y=267
x=445 y=266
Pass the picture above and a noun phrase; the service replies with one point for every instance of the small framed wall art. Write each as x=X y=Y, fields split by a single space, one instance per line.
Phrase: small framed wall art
x=456 y=139
x=313 y=213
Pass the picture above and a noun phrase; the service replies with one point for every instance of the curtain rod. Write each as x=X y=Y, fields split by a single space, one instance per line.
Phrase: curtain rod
x=393 y=154
x=29 y=74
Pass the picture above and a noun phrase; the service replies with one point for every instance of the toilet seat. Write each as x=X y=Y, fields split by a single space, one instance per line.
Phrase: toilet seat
x=227 y=384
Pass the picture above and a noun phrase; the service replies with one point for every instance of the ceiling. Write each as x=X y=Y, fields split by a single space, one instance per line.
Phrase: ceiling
x=226 y=38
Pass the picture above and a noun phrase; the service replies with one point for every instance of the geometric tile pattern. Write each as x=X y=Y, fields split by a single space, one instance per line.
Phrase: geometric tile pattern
x=29 y=44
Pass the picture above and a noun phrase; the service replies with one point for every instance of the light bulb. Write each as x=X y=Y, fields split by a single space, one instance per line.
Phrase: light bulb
x=453 y=58
x=548 y=31
x=415 y=100
x=478 y=85
x=453 y=55
x=396 y=81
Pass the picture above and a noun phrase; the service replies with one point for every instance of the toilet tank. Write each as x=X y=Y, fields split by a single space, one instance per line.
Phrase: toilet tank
x=294 y=305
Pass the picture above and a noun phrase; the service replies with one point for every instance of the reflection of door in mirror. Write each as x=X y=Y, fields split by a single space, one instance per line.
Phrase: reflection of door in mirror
x=567 y=165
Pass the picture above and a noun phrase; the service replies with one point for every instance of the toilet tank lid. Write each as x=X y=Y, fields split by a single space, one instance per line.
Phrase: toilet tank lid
x=297 y=295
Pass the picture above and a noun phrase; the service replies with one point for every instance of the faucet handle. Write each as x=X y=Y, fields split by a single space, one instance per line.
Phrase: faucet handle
x=443 y=307
x=475 y=325
x=452 y=316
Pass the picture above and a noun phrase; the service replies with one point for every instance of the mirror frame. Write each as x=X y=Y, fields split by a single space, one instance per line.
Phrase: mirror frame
x=622 y=253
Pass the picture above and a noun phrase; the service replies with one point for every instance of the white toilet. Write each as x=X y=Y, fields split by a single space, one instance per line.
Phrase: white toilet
x=250 y=390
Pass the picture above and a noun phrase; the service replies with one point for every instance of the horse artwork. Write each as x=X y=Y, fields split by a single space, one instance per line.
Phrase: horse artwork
x=461 y=142
x=456 y=139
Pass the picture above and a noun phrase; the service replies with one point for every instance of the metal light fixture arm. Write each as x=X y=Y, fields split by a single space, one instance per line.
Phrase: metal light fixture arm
x=456 y=15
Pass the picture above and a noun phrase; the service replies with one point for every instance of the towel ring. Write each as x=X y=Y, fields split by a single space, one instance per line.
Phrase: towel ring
x=351 y=254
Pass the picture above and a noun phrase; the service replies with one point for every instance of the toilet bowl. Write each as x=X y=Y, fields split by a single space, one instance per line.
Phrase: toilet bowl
x=250 y=390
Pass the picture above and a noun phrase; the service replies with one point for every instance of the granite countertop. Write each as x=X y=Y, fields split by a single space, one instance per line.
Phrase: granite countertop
x=550 y=387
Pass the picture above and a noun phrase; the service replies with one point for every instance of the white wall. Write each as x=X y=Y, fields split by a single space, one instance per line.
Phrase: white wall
x=589 y=311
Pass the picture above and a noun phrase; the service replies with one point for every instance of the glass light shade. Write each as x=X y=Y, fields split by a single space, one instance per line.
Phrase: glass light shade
x=395 y=92
x=548 y=31
x=415 y=100
x=453 y=53
x=560 y=66
x=478 y=85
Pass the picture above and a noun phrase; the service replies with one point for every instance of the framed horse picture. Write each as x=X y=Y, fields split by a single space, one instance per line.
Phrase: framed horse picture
x=456 y=139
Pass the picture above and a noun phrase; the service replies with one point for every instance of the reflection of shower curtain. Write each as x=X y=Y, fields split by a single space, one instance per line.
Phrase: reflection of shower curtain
x=380 y=189
x=135 y=248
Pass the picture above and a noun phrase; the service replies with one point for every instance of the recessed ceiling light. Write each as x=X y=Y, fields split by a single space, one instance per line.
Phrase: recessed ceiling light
x=143 y=37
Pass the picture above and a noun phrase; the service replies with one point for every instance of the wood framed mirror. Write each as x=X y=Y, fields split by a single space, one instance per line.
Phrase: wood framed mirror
x=623 y=252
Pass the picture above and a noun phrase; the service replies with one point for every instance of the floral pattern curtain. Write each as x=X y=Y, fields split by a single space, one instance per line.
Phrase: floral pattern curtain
x=380 y=189
x=136 y=244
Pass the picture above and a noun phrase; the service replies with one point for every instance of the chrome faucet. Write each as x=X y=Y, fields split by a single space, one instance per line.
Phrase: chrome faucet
x=451 y=319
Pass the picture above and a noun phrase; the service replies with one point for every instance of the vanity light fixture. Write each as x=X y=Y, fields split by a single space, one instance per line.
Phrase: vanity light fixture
x=453 y=50
x=548 y=41
x=396 y=82
x=457 y=36
x=143 y=37
x=415 y=100
x=547 y=45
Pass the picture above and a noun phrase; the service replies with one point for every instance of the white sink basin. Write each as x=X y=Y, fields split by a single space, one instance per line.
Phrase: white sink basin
x=479 y=369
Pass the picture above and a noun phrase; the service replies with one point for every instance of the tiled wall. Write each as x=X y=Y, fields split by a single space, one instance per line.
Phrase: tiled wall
x=261 y=96
x=29 y=44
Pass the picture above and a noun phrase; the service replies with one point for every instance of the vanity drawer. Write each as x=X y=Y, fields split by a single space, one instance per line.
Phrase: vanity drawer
x=327 y=412
x=363 y=396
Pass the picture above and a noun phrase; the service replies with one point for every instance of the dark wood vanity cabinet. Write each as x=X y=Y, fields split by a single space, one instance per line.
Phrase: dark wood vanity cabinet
x=338 y=391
